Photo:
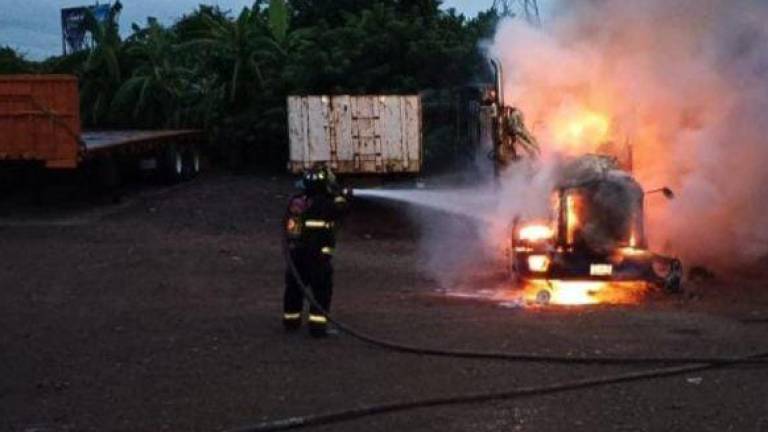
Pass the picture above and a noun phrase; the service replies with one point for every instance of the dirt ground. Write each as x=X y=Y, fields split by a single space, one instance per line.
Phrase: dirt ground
x=162 y=313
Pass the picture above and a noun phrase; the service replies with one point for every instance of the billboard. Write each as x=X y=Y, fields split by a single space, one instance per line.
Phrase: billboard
x=73 y=33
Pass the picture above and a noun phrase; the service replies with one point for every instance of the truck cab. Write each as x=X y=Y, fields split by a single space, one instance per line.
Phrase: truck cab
x=595 y=232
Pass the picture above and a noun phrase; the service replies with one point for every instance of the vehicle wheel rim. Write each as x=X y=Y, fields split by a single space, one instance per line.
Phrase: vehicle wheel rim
x=543 y=297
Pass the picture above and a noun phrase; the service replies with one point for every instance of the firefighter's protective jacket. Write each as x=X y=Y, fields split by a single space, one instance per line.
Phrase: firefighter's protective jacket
x=311 y=222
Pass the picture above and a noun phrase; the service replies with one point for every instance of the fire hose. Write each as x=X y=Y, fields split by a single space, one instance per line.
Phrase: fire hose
x=472 y=398
x=685 y=365
x=490 y=355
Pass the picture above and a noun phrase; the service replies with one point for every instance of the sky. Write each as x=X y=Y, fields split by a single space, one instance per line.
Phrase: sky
x=33 y=26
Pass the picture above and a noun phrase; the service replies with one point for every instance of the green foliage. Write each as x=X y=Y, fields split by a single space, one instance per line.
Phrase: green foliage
x=101 y=75
x=278 y=20
x=231 y=74
x=11 y=62
x=158 y=82
x=233 y=44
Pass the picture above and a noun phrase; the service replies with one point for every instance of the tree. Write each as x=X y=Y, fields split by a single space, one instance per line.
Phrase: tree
x=236 y=43
x=308 y=13
x=102 y=72
x=195 y=25
x=168 y=86
x=11 y=62
x=151 y=95
x=231 y=74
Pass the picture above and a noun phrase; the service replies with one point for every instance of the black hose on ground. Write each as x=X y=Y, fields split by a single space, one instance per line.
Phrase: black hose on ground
x=515 y=357
x=690 y=365
x=385 y=408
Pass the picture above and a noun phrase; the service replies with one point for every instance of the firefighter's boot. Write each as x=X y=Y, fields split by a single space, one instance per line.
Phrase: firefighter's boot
x=318 y=326
x=291 y=321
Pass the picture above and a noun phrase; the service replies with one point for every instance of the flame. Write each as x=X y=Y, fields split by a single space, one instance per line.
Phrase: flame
x=633 y=251
x=574 y=293
x=572 y=220
x=580 y=131
x=535 y=233
x=538 y=263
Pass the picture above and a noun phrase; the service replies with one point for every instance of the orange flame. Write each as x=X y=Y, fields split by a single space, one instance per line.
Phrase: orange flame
x=581 y=131
x=573 y=219
x=573 y=293
x=535 y=232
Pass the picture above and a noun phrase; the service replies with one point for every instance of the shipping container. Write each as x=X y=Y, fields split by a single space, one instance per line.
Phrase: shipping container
x=355 y=134
x=40 y=119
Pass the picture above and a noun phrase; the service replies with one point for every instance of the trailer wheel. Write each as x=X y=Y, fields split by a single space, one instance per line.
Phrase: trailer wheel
x=191 y=166
x=171 y=163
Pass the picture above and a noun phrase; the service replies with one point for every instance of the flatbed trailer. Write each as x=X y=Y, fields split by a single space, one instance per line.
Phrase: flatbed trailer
x=96 y=142
x=40 y=125
x=175 y=154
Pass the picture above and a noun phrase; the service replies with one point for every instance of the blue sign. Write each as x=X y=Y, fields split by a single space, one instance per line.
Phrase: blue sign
x=74 y=35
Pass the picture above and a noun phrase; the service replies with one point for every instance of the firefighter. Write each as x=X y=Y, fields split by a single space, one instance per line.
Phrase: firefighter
x=310 y=227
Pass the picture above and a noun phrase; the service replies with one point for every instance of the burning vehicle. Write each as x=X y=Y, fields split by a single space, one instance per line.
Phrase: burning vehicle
x=593 y=248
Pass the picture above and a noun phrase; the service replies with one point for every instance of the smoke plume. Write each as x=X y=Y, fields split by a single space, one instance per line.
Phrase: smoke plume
x=682 y=85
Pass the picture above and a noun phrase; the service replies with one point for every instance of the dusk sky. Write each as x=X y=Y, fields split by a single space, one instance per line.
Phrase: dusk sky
x=33 y=26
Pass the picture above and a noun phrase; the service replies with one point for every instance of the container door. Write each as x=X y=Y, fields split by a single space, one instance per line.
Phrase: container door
x=366 y=139
x=309 y=131
x=412 y=141
x=401 y=133
x=318 y=142
x=393 y=137
x=343 y=149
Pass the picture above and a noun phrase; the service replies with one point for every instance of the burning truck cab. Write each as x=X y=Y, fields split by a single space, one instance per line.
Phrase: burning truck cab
x=594 y=244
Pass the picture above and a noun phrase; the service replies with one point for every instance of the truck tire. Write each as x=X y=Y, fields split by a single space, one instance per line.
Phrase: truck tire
x=171 y=165
x=191 y=164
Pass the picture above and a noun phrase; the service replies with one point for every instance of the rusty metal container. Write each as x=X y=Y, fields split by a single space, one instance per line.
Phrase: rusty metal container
x=356 y=134
x=40 y=119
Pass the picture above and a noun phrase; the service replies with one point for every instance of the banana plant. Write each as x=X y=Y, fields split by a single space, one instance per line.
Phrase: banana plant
x=158 y=81
x=101 y=72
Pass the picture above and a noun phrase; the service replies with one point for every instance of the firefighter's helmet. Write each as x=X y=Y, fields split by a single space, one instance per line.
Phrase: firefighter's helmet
x=318 y=180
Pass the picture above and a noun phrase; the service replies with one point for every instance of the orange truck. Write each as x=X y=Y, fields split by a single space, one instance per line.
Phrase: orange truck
x=40 y=125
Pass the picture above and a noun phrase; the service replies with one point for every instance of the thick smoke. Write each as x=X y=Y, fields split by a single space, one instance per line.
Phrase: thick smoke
x=684 y=82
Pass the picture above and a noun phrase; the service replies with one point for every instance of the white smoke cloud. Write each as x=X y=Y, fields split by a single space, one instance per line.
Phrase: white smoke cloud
x=686 y=82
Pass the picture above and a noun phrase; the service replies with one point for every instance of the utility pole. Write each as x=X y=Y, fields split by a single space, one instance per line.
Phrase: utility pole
x=527 y=9
x=531 y=12
x=503 y=7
